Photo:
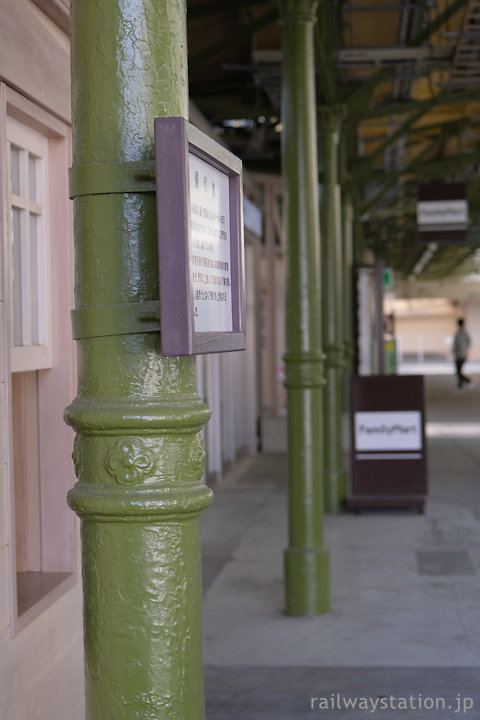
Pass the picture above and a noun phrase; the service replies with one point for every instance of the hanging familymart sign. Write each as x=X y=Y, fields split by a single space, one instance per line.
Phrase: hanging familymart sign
x=442 y=212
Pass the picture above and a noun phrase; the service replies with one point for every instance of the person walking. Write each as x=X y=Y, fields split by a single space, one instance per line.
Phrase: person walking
x=461 y=343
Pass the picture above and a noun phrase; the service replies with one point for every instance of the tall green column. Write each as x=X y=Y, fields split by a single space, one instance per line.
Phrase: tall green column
x=347 y=262
x=330 y=120
x=138 y=453
x=347 y=280
x=306 y=559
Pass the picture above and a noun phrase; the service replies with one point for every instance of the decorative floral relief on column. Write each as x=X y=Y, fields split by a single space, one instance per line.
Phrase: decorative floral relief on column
x=130 y=461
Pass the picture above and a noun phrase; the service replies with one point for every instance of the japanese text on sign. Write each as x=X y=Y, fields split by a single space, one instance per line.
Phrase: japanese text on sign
x=210 y=236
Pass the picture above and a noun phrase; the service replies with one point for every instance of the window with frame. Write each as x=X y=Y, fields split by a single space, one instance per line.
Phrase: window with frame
x=38 y=259
x=27 y=159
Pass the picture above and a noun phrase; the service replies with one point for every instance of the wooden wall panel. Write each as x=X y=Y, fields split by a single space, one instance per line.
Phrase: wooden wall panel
x=26 y=471
x=41 y=674
x=42 y=73
x=57 y=386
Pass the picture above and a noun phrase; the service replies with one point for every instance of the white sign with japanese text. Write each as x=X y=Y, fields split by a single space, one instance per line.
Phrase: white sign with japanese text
x=210 y=238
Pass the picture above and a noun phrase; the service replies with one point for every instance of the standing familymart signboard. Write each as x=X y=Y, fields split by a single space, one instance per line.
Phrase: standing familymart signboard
x=388 y=442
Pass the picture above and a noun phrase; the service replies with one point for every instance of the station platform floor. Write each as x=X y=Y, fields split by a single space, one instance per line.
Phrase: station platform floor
x=402 y=639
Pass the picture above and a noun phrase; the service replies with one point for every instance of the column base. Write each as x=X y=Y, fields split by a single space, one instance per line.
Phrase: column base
x=307 y=584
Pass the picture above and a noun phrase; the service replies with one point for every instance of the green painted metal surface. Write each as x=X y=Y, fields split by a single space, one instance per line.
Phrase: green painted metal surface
x=347 y=288
x=138 y=453
x=306 y=559
x=347 y=279
x=330 y=120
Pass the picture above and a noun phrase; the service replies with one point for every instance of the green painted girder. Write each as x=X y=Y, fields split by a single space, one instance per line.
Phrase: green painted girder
x=456 y=165
x=449 y=263
x=393 y=179
x=381 y=214
x=406 y=106
x=365 y=164
x=452 y=165
x=466 y=123
x=358 y=100
x=436 y=24
x=417 y=166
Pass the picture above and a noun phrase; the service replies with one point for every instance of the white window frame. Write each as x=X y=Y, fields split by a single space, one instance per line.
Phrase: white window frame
x=27 y=355
x=60 y=557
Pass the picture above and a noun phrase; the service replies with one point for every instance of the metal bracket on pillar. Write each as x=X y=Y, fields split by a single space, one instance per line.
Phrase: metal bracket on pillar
x=112 y=178
x=121 y=319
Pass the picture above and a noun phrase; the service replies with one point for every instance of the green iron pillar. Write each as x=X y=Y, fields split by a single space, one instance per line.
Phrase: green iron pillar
x=306 y=559
x=347 y=290
x=347 y=265
x=138 y=453
x=330 y=120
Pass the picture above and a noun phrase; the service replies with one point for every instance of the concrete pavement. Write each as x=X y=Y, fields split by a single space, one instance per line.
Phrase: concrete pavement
x=402 y=639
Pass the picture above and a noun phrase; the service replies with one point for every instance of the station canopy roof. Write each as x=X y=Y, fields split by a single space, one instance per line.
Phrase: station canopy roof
x=408 y=73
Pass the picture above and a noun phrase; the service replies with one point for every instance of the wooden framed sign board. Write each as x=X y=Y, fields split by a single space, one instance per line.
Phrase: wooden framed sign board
x=200 y=241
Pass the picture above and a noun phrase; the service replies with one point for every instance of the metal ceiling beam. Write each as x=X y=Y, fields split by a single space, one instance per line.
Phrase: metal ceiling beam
x=366 y=163
x=357 y=100
x=395 y=176
x=398 y=7
x=436 y=24
x=389 y=212
x=452 y=165
x=226 y=41
x=352 y=57
x=409 y=105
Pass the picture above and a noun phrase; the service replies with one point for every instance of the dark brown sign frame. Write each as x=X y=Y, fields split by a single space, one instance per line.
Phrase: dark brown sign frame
x=176 y=140
x=442 y=232
x=386 y=474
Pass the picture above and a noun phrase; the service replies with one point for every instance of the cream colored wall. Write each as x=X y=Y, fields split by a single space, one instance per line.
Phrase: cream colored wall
x=426 y=325
x=425 y=334
x=41 y=665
